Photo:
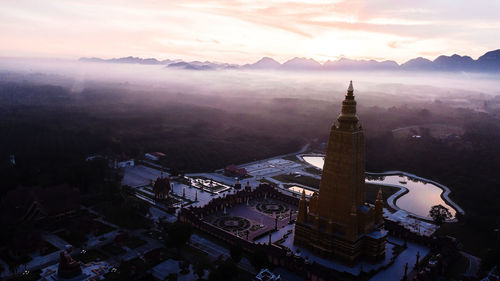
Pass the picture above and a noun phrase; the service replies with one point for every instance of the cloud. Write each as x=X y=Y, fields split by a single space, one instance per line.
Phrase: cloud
x=243 y=31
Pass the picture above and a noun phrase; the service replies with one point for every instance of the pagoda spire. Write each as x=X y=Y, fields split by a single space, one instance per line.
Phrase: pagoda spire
x=348 y=120
x=302 y=212
x=379 y=205
x=379 y=194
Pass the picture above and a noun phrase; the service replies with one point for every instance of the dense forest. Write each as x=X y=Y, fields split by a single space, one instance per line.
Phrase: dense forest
x=51 y=130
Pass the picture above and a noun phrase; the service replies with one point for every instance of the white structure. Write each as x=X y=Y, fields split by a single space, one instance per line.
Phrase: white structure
x=266 y=275
x=93 y=157
x=155 y=156
x=124 y=163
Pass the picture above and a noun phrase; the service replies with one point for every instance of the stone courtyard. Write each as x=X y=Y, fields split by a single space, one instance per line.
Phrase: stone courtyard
x=257 y=217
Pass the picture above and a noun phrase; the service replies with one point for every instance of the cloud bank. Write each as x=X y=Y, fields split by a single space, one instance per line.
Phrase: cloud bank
x=242 y=31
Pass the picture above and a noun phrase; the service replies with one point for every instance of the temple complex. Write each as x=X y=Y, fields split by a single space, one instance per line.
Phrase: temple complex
x=337 y=222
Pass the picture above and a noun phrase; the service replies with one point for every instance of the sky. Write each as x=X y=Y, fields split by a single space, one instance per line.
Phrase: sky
x=243 y=31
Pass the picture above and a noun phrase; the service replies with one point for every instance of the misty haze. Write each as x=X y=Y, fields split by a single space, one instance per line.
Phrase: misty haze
x=249 y=140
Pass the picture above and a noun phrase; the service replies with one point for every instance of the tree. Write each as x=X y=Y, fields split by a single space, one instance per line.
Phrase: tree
x=259 y=259
x=179 y=233
x=439 y=214
x=203 y=263
x=184 y=267
x=172 y=277
x=13 y=266
x=236 y=252
x=198 y=270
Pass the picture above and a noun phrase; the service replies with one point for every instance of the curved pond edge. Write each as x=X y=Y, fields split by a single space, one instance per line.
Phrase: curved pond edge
x=301 y=157
x=391 y=201
x=403 y=190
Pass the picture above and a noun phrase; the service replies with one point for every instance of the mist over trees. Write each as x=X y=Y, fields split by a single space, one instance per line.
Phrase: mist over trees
x=202 y=122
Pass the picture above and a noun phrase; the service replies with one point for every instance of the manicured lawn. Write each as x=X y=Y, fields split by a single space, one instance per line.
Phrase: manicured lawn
x=267 y=181
x=304 y=180
x=312 y=170
x=372 y=191
x=292 y=158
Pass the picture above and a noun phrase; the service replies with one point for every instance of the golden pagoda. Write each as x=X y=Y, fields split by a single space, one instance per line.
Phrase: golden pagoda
x=337 y=222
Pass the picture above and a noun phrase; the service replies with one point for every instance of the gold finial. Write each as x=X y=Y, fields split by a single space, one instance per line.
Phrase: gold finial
x=351 y=88
x=379 y=194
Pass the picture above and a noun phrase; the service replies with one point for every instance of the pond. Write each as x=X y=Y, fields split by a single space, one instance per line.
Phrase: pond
x=421 y=195
x=316 y=161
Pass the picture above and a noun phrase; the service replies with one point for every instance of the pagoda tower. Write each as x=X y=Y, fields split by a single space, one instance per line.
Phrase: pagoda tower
x=339 y=223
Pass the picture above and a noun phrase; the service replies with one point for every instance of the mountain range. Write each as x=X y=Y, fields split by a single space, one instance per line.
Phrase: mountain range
x=489 y=62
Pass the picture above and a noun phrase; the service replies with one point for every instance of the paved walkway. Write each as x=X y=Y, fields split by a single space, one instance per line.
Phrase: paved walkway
x=396 y=270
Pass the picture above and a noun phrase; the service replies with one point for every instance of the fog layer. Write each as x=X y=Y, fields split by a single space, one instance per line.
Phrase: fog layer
x=372 y=88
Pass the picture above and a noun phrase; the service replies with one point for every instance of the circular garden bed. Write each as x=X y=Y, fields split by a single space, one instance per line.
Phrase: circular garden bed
x=271 y=208
x=232 y=223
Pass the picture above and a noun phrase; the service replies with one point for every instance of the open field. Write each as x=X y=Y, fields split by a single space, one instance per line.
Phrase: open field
x=297 y=178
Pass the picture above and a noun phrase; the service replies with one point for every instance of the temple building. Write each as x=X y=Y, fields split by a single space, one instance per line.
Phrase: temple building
x=337 y=222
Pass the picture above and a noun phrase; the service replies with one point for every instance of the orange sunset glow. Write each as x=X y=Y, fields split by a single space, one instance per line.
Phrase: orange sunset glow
x=244 y=31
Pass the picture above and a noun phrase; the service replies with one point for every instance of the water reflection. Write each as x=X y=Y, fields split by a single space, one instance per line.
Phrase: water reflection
x=316 y=161
x=421 y=195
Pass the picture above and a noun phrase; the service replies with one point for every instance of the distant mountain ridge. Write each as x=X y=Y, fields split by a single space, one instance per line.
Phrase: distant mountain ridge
x=489 y=62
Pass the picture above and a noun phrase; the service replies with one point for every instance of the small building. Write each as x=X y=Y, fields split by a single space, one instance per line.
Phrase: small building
x=123 y=161
x=29 y=204
x=155 y=156
x=232 y=170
